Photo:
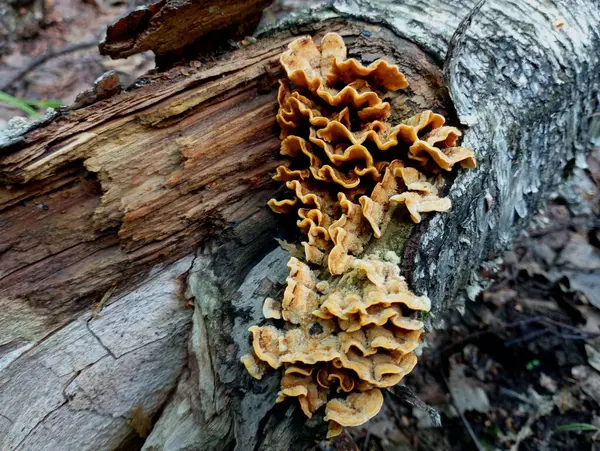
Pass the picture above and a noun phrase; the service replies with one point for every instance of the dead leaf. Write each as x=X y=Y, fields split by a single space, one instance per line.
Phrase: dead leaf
x=587 y=283
x=466 y=392
x=589 y=381
x=579 y=254
x=592 y=317
x=140 y=421
x=565 y=401
x=593 y=356
x=548 y=383
x=544 y=253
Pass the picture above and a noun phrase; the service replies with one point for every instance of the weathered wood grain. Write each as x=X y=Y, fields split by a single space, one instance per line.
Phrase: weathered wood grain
x=102 y=193
x=80 y=386
x=96 y=199
x=168 y=26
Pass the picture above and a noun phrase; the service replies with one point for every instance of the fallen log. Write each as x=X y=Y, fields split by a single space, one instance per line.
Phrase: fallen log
x=136 y=247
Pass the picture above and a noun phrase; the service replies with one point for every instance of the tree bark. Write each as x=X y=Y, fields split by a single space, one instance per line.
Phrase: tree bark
x=136 y=248
x=167 y=27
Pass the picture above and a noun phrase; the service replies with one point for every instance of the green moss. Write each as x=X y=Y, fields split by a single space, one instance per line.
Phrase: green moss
x=395 y=236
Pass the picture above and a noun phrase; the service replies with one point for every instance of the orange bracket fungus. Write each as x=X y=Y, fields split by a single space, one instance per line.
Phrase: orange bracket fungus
x=350 y=321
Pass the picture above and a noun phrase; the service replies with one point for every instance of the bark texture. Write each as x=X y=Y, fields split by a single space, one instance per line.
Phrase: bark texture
x=167 y=26
x=125 y=223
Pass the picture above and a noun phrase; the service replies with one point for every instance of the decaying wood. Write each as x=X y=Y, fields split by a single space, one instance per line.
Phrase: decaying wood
x=167 y=26
x=79 y=386
x=157 y=195
x=101 y=194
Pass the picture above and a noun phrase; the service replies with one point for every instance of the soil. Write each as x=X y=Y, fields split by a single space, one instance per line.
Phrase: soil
x=519 y=366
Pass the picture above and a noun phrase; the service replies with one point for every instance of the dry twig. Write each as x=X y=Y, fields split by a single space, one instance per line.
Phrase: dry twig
x=41 y=59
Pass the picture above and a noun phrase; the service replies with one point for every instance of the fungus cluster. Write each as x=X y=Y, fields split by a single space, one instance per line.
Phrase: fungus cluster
x=347 y=324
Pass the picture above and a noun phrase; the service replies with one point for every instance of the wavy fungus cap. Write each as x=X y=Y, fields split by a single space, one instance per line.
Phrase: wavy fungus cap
x=340 y=338
x=350 y=322
x=356 y=409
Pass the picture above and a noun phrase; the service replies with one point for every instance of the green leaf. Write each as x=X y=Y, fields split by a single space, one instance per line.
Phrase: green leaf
x=49 y=103
x=19 y=103
x=577 y=427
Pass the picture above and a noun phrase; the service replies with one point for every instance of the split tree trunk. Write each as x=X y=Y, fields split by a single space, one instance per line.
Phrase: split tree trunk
x=136 y=248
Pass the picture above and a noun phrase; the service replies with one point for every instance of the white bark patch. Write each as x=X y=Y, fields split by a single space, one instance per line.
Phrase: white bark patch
x=76 y=388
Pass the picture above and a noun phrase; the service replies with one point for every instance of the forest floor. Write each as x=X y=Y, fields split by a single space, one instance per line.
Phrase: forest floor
x=519 y=370
x=54 y=55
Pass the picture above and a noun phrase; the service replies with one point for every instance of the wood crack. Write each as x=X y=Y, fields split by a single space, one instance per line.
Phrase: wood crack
x=38 y=423
x=106 y=348
x=49 y=258
x=6 y=418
